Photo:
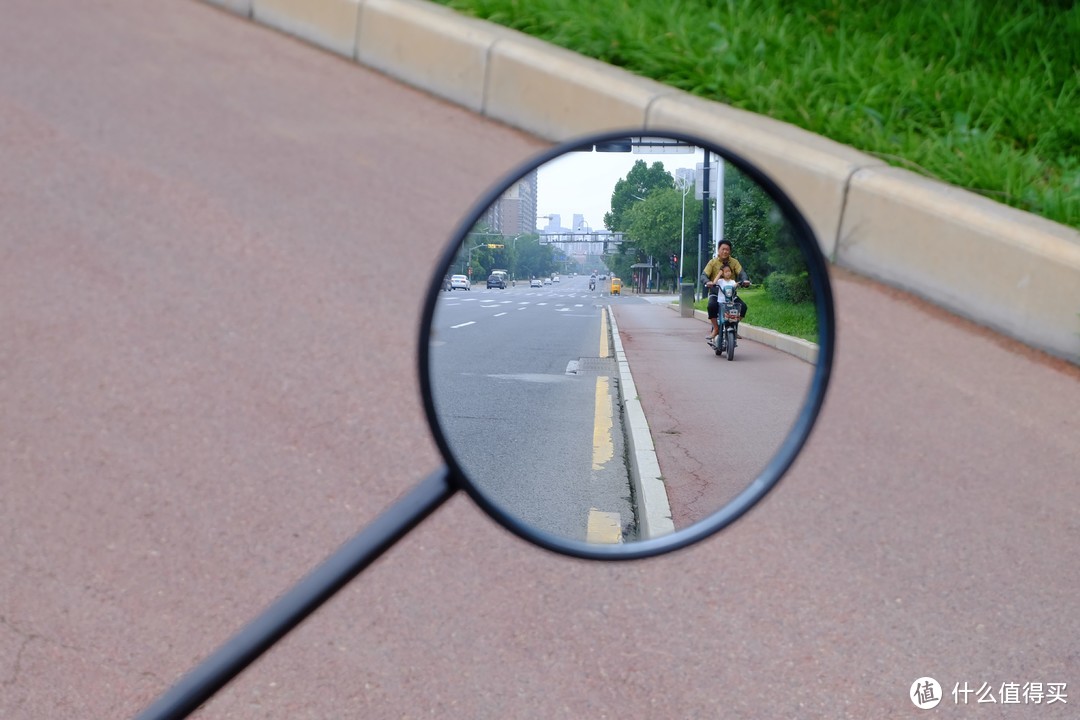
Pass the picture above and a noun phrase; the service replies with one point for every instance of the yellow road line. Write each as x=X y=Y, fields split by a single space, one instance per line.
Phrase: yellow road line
x=604 y=527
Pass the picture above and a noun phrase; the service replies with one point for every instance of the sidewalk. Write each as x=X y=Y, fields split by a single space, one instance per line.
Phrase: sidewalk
x=690 y=413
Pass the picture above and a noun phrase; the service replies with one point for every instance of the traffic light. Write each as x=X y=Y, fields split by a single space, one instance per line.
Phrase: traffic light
x=674 y=259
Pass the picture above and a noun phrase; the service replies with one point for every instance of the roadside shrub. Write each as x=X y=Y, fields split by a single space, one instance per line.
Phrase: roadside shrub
x=789 y=288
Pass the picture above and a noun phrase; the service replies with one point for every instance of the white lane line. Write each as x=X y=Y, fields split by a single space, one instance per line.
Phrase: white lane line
x=499 y=314
x=455 y=327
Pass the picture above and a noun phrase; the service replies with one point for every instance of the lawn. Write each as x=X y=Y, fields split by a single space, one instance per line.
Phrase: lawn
x=983 y=94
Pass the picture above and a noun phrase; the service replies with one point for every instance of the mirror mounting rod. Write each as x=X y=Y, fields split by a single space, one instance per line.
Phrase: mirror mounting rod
x=290 y=609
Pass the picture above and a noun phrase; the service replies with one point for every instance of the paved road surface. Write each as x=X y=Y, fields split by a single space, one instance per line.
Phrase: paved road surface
x=715 y=423
x=207 y=382
x=539 y=438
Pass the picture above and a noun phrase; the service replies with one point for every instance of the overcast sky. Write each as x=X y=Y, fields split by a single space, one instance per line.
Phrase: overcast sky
x=580 y=182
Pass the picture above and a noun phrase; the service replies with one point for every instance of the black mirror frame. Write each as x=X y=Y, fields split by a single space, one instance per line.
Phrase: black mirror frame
x=777 y=466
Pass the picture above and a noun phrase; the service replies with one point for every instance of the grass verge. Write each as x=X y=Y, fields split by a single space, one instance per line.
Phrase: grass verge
x=795 y=320
x=982 y=94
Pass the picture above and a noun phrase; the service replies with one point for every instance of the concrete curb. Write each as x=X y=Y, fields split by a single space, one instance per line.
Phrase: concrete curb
x=653 y=509
x=1009 y=270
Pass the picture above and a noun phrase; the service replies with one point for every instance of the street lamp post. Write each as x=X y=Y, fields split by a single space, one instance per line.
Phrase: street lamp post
x=513 y=256
x=468 y=261
x=684 y=183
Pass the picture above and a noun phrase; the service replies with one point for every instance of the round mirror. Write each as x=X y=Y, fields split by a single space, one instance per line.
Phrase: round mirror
x=626 y=344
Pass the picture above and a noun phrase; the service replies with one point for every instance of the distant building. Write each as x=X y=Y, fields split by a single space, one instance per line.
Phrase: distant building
x=515 y=212
x=685 y=173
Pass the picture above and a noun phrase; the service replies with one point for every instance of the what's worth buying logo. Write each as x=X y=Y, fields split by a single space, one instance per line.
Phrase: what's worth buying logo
x=925 y=693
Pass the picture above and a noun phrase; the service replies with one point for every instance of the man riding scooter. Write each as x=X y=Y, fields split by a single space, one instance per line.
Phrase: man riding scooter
x=712 y=274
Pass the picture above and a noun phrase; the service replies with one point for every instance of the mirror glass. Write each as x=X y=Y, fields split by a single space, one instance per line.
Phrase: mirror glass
x=572 y=380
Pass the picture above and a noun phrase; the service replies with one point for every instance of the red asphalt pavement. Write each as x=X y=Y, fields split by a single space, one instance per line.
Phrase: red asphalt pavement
x=207 y=383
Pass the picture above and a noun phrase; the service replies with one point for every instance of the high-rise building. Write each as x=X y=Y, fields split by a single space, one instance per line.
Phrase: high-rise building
x=514 y=213
x=686 y=173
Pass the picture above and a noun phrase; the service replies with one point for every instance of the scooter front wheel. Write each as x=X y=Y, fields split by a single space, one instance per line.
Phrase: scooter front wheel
x=730 y=344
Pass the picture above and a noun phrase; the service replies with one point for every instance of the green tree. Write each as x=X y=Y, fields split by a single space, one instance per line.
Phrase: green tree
x=640 y=181
x=762 y=240
x=533 y=258
x=748 y=222
x=655 y=226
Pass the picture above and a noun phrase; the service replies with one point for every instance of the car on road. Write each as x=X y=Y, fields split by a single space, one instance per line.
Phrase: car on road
x=496 y=280
x=555 y=279
x=547 y=281
x=460 y=282
x=536 y=282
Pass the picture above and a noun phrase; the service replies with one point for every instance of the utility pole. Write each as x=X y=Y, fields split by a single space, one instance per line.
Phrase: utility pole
x=705 y=236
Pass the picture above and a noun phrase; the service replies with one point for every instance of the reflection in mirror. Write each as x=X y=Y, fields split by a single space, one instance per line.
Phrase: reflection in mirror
x=572 y=380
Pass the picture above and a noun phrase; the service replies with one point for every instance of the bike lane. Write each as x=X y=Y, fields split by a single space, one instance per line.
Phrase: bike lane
x=715 y=424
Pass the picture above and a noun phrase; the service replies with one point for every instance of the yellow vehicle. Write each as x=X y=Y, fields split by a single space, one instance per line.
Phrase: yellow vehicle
x=616 y=286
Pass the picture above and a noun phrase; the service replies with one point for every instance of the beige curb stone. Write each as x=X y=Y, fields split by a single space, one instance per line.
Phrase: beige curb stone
x=813 y=170
x=330 y=24
x=239 y=7
x=1006 y=269
x=558 y=94
x=427 y=46
x=802 y=349
x=654 y=508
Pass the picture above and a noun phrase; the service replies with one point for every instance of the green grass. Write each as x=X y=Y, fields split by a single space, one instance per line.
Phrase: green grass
x=796 y=320
x=983 y=94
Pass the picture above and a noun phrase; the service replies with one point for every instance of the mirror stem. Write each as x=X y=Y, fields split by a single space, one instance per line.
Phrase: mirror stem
x=301 y=600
